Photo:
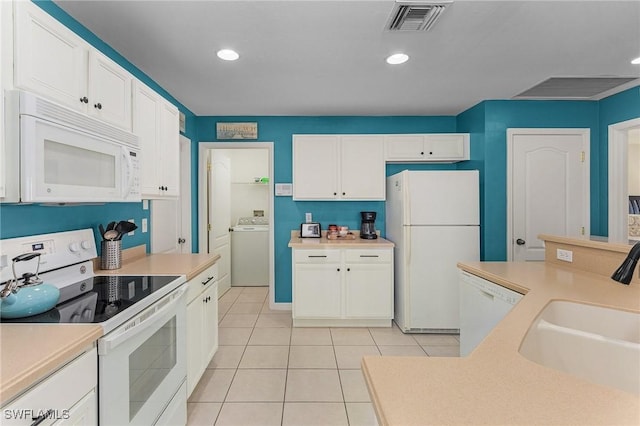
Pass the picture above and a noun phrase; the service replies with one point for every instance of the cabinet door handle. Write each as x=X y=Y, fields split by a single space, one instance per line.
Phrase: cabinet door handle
x=205 y=282
x=319 y=255
x=369 y=255
x=41 y=418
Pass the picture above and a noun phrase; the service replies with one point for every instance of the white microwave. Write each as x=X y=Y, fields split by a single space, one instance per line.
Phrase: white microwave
x=66 y=156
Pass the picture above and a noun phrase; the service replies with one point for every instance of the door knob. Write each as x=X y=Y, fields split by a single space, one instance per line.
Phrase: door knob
x=520 y=242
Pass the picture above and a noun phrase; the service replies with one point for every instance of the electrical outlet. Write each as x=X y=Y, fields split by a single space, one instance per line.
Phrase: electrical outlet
x=144 y=225
x=132 y=232
x=308 y=217
x=145 y=204
x=564 y=255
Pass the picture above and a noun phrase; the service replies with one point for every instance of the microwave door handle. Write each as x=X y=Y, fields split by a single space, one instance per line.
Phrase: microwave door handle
x=109 y=342
x=127 y=157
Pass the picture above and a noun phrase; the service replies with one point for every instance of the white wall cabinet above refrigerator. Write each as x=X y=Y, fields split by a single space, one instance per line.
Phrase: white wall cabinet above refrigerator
x=51 y=60
x=156 y=123
x=433 y=147
x=338 y=167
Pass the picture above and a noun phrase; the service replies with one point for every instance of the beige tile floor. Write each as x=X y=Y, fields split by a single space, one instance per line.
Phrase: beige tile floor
x=266 y=372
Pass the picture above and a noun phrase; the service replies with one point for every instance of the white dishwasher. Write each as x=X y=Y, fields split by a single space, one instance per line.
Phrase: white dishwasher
x=483 y=304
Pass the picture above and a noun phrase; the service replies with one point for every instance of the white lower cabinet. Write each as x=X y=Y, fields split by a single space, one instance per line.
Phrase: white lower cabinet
x=342 y=287
x=202 y=324
x=67 y=397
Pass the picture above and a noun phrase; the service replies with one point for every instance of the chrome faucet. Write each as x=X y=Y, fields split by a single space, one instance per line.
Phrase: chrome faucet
x=624 y=273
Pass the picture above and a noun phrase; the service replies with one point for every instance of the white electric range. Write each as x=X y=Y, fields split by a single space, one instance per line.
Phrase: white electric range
x=141 y=357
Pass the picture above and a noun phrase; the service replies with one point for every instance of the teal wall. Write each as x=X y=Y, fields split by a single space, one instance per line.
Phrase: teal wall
x=289 y=214
x=486 y=122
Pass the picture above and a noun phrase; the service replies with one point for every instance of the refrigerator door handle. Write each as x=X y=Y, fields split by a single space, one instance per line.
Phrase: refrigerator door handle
x=407 y=235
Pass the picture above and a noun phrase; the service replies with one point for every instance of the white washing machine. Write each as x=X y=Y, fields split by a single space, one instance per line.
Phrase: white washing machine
x=250 y=252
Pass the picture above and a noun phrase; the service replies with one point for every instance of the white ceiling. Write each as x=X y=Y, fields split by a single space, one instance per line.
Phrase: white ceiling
x=327 y=57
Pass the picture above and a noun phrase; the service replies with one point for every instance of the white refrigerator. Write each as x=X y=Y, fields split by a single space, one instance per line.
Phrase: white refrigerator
x=433 y=217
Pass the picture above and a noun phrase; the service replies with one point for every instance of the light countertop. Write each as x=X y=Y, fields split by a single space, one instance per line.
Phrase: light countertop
x=30 y=352
x=164 y=264
x=325 y=243
x=495 y=384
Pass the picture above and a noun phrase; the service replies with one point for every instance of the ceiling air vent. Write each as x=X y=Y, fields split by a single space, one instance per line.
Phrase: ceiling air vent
x=573 y=87
x=414 y=16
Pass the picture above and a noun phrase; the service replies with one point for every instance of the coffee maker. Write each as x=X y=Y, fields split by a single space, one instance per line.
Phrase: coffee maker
x=367 y=226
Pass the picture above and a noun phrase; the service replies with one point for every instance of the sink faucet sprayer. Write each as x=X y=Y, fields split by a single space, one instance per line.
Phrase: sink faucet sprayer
x=625 y=272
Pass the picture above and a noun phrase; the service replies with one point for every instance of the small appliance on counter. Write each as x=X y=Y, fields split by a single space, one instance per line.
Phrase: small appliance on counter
x=367 y=226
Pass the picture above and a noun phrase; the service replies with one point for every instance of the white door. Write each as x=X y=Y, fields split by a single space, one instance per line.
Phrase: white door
x=548 y=173
x=184 y=200
x=219 y=213
x=164 y=226
x=171 y=219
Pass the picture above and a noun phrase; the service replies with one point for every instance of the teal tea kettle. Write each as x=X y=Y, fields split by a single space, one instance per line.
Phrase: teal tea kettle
x=31 y=297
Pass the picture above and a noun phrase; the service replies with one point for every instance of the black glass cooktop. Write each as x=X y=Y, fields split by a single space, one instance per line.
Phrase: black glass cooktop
x=98 y=299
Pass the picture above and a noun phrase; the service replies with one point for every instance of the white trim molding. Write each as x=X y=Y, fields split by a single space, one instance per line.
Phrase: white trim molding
x=618 y=179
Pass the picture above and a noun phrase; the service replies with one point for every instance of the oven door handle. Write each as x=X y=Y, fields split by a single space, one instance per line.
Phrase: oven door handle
x=127 y=330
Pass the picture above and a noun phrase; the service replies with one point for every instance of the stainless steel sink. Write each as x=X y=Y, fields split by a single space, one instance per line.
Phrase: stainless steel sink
x=595 y=343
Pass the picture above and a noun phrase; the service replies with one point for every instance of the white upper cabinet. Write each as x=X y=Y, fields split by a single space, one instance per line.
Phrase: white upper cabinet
x=156 y=122
x=338 y=167
x=362 y=167
x=435 y=147
x=53 y=61
x=109 y=91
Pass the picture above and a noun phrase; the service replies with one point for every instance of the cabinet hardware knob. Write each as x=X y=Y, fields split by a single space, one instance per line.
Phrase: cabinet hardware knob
x=421 y=152
x=98 y=105
x=338 y=269
x=344 y=193
x=181 y=241
x=520 y=242
x=335 y=193
x=84 y=99
x=348 y=269
x=430 y=152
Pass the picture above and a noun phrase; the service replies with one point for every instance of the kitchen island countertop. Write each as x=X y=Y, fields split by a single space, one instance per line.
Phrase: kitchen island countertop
x=495 y=384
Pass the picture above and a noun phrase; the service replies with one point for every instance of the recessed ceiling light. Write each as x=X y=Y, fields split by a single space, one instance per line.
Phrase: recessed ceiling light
x=397 y=58
x=636 y=61
x=228 y=55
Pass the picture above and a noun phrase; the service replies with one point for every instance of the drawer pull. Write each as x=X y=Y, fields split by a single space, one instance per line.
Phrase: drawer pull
x=207 y=281
x=369 y=255
x=318 y=255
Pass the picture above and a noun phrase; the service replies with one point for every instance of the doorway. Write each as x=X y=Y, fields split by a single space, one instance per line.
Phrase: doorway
x=621 y=136
x=547 y=188
x=236 y=182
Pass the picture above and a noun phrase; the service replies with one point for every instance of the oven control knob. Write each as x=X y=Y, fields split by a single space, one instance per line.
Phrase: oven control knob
x=74 y=247
x=74 y=318
x=87 y=314
x=86 y=244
